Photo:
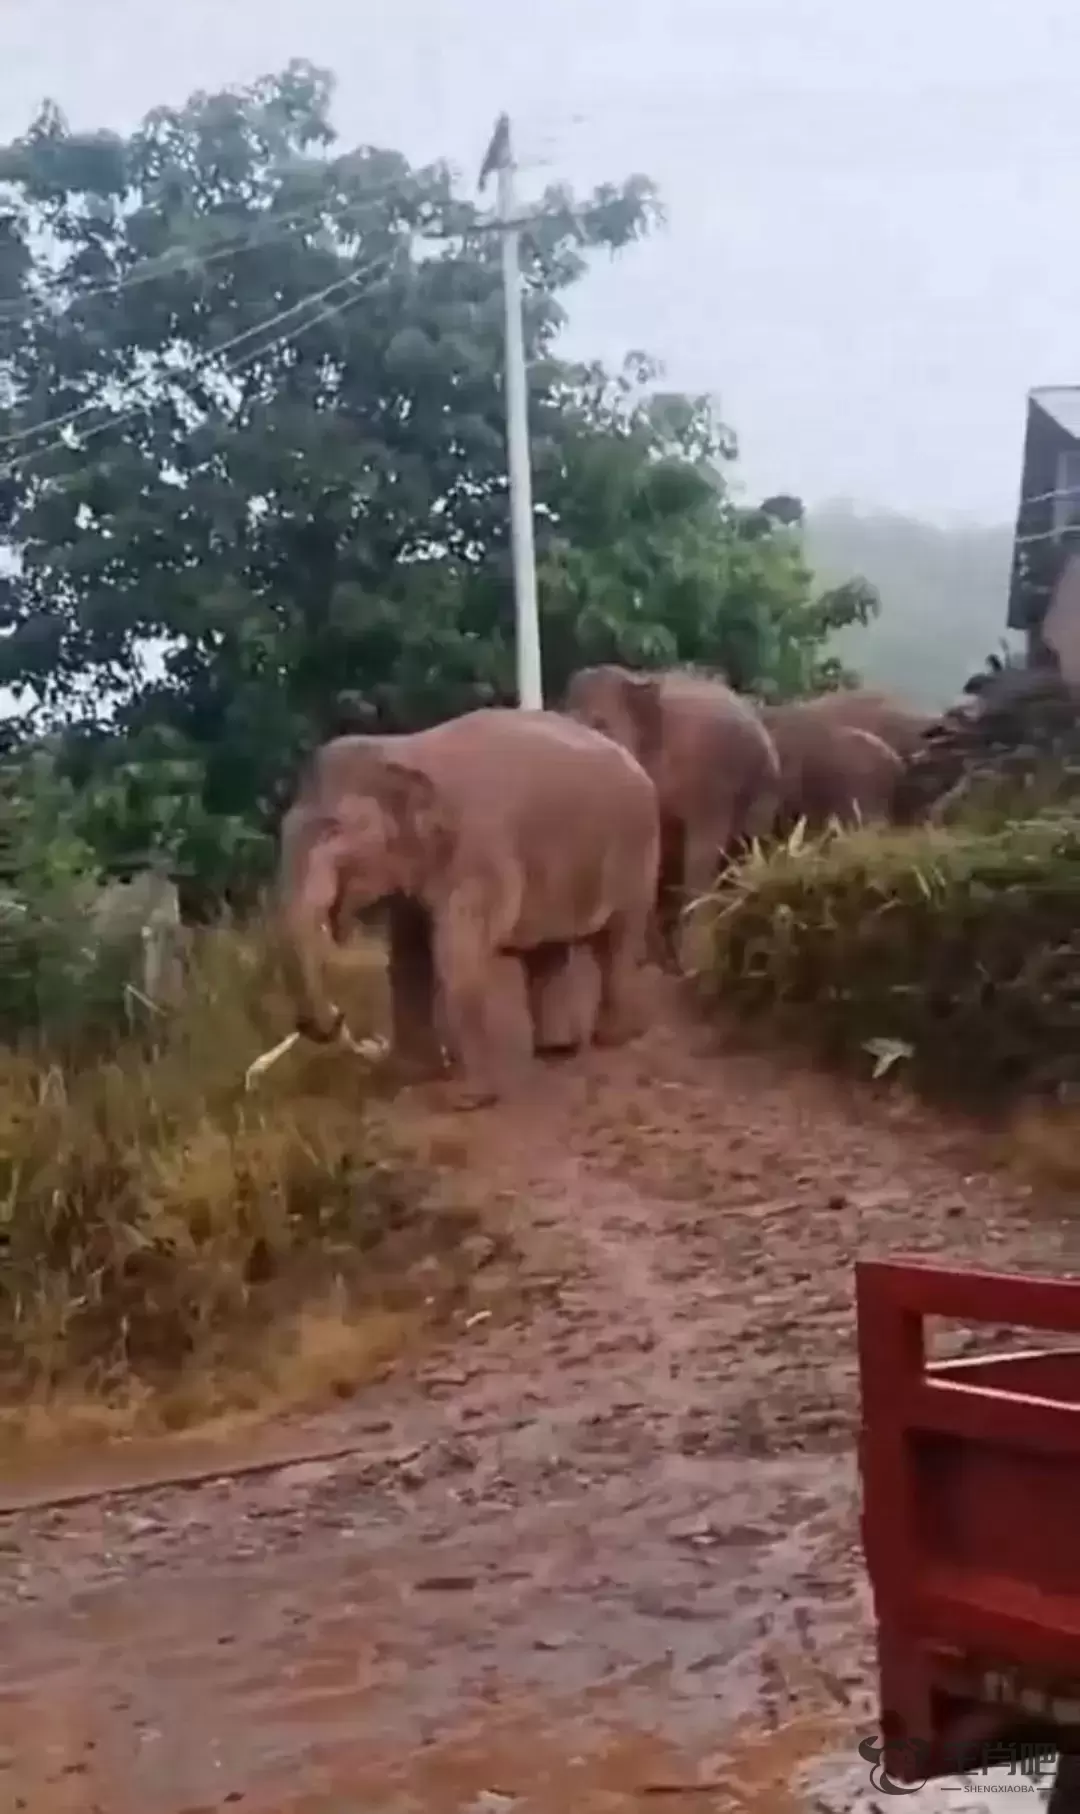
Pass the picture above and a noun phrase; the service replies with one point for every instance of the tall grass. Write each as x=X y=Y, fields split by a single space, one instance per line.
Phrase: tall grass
x=157 y=1223
x=952 y=950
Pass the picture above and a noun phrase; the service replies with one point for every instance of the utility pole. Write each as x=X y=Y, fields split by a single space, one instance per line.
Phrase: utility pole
x=499 y=159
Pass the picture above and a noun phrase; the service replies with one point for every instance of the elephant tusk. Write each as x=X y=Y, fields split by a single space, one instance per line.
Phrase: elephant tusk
x=369 y=1049
x=259 y=1066
x=364 y=1048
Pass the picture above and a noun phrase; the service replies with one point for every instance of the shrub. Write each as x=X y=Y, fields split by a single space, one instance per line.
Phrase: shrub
x=154 y=1218
x=1010 y=751
x=955 y=947
x=61 y=984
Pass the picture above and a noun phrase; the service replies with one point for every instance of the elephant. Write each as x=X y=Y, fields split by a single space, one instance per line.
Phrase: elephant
x=901 y=726
x=564 y=996
x=830 y=770
x=716 y=772
x=501 y=840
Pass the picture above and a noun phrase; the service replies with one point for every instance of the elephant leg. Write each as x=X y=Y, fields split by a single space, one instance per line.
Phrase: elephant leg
x=509 y=1020
x=762 y=815
x=619 y=950
x=706 y=850
x=658 y=947
x=415 y=1039
x=564 y=994
x=664 y=934
x=485 y=1001
x=708 y=845
x=663 y=929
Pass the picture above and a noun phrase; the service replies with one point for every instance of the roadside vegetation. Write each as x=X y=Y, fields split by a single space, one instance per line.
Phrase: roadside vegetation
x=944 y=954
x=952 y=953
x=172 y=1247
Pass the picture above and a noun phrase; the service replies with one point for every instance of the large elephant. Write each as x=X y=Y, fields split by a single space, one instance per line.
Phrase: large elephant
x=830 y=770
x=716 y=772
x=901 y=726
x=502 y=840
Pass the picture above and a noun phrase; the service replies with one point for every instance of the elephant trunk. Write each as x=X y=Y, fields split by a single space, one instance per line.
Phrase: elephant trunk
x=308 y=895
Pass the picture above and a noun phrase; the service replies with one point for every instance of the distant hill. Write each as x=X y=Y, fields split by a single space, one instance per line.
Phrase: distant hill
x=943 y=593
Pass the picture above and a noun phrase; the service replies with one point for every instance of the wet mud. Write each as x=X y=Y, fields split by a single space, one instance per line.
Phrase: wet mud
x=601 y=1555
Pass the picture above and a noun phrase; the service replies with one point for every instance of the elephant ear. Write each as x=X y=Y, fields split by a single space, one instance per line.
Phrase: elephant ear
x=643 y=702
x=422 y=816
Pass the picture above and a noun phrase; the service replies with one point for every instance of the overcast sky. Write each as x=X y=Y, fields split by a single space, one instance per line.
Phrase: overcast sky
x=872 y=251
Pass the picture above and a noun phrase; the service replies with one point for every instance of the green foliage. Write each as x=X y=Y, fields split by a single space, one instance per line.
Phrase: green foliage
x=954 y=950
x=278 y=505
x=655 y=565
x=55 y=981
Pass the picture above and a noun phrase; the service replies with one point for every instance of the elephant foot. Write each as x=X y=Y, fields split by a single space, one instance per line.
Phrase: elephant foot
x=564 y=994
x=610 y=1035
x=417 y=1053
x=417 y=1067
x=656 y=945
x=460 y=1097
x=665 y=958
x=616 y=1033
x=617 y=1026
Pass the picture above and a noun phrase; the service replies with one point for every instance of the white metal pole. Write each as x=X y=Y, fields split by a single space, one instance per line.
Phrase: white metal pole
x=529 y=678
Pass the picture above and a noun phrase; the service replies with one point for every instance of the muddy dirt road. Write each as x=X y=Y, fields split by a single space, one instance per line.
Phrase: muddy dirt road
x=603 y=1557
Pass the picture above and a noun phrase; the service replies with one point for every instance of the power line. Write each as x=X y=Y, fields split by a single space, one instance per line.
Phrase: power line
x=153 y=267
x=71 y=416
x=230 y=369
x=180 y=255
x=225 y=346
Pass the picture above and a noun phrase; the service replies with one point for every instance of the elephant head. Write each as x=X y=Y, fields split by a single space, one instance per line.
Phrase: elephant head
x=364 y=828
x=621 y=705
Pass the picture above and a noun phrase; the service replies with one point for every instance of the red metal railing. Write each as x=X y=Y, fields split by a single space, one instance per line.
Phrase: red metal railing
x=971 y=1500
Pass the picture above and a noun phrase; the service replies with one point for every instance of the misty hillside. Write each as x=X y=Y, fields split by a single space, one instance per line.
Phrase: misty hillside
x=943 y=593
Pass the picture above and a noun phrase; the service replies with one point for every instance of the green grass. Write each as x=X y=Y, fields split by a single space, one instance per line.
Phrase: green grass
x=953 y=951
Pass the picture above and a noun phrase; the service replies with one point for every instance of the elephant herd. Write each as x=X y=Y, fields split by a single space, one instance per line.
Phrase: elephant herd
x=530 y=860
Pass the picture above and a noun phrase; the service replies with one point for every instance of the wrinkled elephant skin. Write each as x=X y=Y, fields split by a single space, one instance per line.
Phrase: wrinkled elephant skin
x=901 y=726
x=503 y=841
x=830 y=771
x=714 y=766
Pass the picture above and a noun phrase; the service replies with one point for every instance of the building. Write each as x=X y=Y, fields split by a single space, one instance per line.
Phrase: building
x=1044 y=591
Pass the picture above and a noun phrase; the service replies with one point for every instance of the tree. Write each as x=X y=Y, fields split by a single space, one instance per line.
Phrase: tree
x=255 y=479
x=650 y=562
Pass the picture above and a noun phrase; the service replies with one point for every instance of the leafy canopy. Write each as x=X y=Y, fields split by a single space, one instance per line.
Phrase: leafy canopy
x=252 y=465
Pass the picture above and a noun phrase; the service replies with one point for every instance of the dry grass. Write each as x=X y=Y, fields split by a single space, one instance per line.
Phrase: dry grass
x=172 y=1247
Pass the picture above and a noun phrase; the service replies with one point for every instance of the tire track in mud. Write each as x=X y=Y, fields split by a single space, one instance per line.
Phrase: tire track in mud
x=590 y=1549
